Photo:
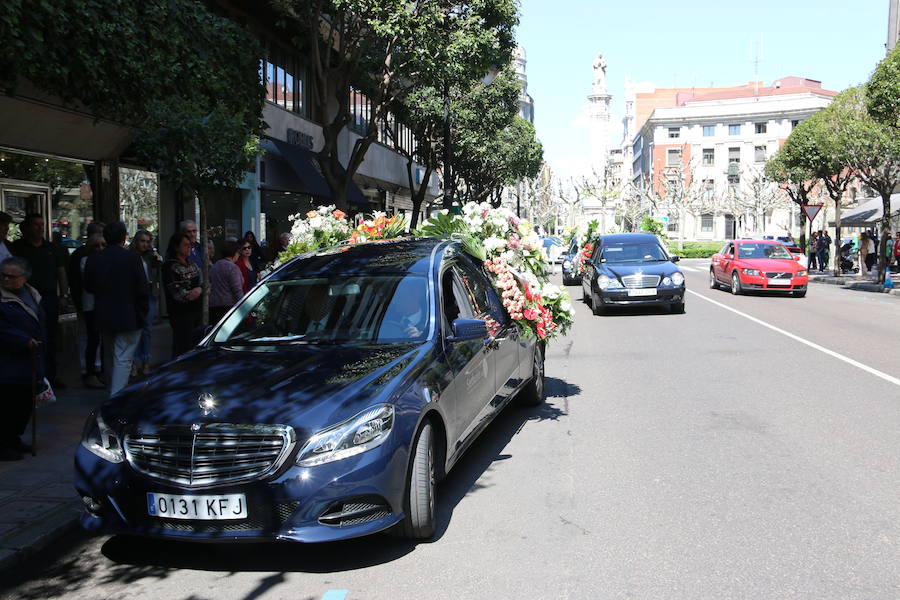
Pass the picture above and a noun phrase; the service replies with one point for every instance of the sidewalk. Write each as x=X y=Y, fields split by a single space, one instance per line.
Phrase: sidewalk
x=37 y=501
x=855 y=281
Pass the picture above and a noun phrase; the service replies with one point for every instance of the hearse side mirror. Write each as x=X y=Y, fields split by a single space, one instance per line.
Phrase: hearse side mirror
x=468 y=329
x=674 y=258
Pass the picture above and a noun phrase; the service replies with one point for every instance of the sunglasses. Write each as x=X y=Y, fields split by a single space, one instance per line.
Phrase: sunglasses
x=245 y=247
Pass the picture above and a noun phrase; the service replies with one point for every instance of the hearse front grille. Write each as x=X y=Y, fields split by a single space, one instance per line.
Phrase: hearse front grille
x=213 y=455
x=640 y=280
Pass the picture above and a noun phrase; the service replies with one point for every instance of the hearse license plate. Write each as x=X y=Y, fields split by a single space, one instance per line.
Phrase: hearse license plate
x=642 y=292
x=202 y=508
x=779 y=282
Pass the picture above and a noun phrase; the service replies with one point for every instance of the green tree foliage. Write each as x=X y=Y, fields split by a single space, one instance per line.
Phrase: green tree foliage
x=388 y=49
x=795 y=178
x=883 y=91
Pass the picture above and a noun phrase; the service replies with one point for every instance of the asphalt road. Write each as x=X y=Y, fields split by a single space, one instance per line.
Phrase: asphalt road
x=704 y=455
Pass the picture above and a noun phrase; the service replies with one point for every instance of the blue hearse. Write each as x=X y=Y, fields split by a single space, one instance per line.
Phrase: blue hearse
x=324 y=406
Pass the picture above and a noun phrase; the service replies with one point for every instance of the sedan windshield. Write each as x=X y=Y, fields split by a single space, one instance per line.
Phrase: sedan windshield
x=343 y=309
x=763 y=250
x=644 y=252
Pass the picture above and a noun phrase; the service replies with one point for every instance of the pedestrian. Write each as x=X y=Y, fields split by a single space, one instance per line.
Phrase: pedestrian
x=22 y=335
x=821 y=250
x=866 y=253
x=121 y=291
x=90 y=368
x=813 y=245
x=897 y=252
x=5 y=220
x=257 y=258
x=190 y=228
x=226 y=282
x=48 y=276
x=181 y=285
x=284 y=240
x=142 y=243
x=92 y=376
x=248 y=273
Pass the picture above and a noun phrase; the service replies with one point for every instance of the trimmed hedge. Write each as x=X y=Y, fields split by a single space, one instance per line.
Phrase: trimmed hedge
x=695 y=249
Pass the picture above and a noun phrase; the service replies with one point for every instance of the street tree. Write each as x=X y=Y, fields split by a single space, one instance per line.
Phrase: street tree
x=815 y=146
x=604 y=188
x=755 y=195
x=796 y=180
x=883 y=91
x=871 y=149
x=386 y=49
x=540 y=199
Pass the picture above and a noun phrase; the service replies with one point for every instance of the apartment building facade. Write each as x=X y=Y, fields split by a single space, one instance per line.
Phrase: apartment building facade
x=701 y=163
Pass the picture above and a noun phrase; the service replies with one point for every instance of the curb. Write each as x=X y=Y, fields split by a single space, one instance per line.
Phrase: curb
x=865 y=286
x=22 y=545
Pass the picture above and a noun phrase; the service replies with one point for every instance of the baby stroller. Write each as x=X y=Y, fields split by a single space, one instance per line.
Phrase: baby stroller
x=846 y=262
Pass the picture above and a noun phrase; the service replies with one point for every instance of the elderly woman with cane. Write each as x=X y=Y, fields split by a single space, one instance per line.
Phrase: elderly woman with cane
x=22 y=335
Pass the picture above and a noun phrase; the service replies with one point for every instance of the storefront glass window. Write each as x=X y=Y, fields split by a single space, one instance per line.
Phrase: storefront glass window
x=139 y=200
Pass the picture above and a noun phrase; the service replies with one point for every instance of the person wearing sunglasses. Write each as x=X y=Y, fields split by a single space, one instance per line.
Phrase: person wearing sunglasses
x=23 y=326
x=245 y=264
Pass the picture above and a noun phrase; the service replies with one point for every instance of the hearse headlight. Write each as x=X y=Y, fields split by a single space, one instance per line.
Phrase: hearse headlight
x=677 y=278
x=357 y=434
x=101 y=440
x=567 y=264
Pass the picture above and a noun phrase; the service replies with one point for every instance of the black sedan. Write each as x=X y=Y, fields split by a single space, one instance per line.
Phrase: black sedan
x=628 y=269
x=324 y=406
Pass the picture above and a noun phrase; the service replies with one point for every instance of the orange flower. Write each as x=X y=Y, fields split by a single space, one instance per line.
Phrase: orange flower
x=311 y=214
x=338 y=214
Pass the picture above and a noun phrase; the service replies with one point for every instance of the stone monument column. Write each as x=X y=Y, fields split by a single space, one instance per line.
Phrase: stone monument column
x=599 y=116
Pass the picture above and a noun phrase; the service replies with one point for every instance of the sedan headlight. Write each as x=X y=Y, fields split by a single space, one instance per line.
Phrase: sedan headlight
x=677 y=278
x=567 y=264
x=603 y=282
x=101 y=440
x=801 y=274
x=362 y=432
x=751 y=272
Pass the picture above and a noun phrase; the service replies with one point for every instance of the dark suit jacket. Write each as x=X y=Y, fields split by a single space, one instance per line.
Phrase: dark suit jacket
x=121 y=291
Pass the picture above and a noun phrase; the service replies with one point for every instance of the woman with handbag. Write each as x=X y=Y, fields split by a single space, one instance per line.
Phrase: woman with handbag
x=22 y=335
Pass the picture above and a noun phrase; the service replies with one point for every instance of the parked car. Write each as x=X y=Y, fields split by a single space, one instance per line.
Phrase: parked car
x=71 y=244
x=628 y=269
x=747 y=265
x=324 y=406
x=569 y=259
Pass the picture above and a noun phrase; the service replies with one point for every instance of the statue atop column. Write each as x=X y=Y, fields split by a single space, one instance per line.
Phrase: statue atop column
x=600 y=74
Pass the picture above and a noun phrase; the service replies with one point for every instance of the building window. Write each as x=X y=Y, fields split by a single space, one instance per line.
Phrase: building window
x=706 y=222
x=794 y=123
x=709 y=157
x=709 y=189
x=734 y=130
x=284 y=80
x=734 y=165
x=759 y=153
x=760 y=127
x=673 y=157
x=673 y=223
x=674 y=132
x=709 y=130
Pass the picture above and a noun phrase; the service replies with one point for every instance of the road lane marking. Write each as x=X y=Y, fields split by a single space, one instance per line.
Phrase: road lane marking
x=832 y=353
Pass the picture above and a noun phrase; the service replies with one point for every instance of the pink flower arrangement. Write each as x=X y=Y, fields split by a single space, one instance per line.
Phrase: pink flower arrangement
x=523 y=305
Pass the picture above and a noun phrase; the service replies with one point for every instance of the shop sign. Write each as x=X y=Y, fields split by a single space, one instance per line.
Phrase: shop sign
x=298 y=138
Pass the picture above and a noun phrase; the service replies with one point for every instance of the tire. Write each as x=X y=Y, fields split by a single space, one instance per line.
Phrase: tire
x=419 y=522
x=534 y=394
x=597 y=306
x=584 y=296
x=713 y=282
x=736 y=288
x=677 y=308
x=800 y=294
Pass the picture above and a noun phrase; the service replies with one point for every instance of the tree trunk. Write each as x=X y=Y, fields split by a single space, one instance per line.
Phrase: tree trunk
x=885 y=231
x=837 y=237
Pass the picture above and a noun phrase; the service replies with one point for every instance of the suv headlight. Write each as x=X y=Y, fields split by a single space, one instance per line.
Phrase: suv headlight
x=357 y=434
x=754 y=272
x=101 y=440
x=677 y=278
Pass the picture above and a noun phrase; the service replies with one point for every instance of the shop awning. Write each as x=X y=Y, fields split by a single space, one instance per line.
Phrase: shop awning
x=868 y=213
x=306 y=167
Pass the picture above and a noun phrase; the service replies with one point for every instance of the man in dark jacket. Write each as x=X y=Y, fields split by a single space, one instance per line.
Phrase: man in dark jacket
x=22 y=337
x=73 y=274
x=121 y=291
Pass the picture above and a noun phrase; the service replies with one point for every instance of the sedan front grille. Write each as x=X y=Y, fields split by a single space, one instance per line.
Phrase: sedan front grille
x=779 y=275
x=640 y=280
x=213 y=455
